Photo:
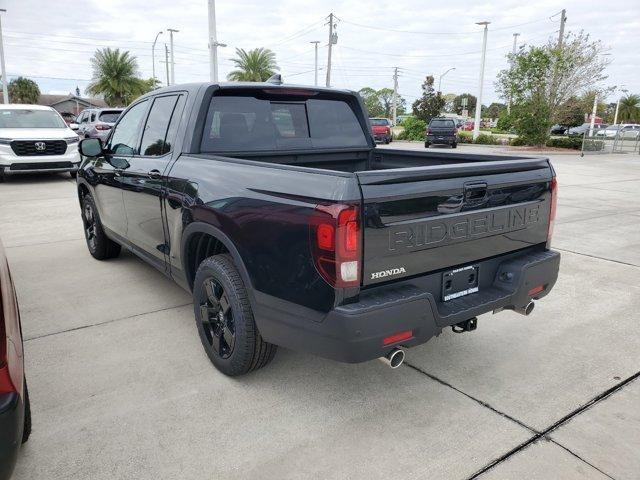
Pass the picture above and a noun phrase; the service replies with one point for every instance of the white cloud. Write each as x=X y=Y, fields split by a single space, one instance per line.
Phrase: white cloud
x=45 y=39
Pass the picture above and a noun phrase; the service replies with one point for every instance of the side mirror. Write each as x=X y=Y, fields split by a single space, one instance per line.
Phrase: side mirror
x=90 y=147
x=74 y=126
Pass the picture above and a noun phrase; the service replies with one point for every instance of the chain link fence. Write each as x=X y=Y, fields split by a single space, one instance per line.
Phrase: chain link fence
x=618 y=140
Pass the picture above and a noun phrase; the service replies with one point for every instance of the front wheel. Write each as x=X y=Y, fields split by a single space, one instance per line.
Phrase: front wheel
x=224 y=318
x=100 y=246
x=454 y=144
x=426 y=144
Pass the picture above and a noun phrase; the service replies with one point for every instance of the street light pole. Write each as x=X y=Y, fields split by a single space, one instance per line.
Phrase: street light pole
x=173 y=69
x=615 y=117
x=213 y=43
x=315 y=80
x=440 y=79
x=513 y=54
x=476 y=126
x=153 y=57
x=5 y=90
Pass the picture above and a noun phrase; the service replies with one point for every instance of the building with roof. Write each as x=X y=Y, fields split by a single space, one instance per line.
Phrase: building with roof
x=69 y=103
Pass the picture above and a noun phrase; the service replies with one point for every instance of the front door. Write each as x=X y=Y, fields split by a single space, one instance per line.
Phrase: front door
x=109 y=169
x=144 y=180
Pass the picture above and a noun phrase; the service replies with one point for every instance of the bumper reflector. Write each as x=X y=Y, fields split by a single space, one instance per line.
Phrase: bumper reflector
x=536 y=290
x=397 y=337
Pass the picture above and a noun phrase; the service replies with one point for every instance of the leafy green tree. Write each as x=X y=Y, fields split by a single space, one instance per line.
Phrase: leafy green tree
x=371 y=101
x=430 y=103
x=256 y=65
x=629 y=109
x=471 y=103
x=23 y=90
x=115 y=77
x=494 y=110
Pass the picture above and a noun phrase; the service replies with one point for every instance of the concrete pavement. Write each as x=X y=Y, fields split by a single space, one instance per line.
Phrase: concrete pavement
x=121 y=387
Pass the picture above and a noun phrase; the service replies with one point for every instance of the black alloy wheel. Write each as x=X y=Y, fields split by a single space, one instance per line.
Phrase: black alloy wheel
x=90 y=226
x=216 y=316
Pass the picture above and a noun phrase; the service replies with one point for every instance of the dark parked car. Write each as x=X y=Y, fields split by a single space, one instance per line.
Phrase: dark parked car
x=15 y=412
x=559 y=129
x=442 y=131
x=273 y=206
x=381 y=130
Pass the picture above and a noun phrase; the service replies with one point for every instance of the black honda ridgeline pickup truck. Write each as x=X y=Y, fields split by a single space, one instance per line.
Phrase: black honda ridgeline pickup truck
x=272 y=204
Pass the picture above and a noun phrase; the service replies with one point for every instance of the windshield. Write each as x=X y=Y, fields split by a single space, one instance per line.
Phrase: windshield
x=30 y=119
x=245 y=123
x=109 y=117
x=379 y=122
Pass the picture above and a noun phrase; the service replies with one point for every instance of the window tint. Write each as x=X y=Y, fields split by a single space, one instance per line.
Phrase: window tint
x=442 y=124
x=379 y=122
x=84 y=117
x=124 y=138
x=23 y=118
x=109 y=116
x=155 y=131
x=243 y=123
x=93 y=117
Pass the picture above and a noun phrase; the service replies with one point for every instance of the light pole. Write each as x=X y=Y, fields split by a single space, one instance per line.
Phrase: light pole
x=513 y=54
x=440 y=79
x=476 y=126
x=615 y=117
x=213 y=43
x=153 y=58
x=5 y=90
x=173 y=70
x=315 y=80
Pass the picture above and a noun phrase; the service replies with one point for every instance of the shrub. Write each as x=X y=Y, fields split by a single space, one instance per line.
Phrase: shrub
x=465 y=137
x=574 y=143
x=414 y=129
x=486 y=139
x=505 y=122
x=517 y=142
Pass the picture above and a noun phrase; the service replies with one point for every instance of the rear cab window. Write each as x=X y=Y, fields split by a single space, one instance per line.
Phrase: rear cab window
x=258 y=122
x=109 y=116
x=442 y=124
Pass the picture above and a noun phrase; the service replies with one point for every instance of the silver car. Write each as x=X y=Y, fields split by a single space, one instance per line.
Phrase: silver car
x=97 y=122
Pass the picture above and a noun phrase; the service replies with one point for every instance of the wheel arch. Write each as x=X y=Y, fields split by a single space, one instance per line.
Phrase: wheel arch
x=196 y=230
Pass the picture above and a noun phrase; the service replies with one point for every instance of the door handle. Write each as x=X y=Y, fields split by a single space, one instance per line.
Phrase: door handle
x=155 y=173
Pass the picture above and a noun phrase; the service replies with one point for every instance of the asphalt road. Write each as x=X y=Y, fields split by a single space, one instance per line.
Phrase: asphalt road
x=121 y=388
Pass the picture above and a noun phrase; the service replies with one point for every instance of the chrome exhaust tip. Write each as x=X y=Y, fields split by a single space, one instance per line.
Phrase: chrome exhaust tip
x=526 y=310
x=394 y=358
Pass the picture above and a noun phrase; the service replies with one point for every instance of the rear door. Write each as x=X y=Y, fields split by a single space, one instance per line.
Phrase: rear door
x=143 y=181
x=419 y=220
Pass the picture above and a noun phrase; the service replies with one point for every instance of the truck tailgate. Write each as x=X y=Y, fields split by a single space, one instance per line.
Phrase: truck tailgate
x=418 y=220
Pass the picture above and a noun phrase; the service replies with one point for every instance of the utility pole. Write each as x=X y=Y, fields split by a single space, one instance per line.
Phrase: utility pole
x=563 y=20
x=513 y=53
x=395 y=96
x=166 y=62
x=173 y=69
x=153 y=57
x=441 y=77
x=213 y=43
x=476 y=126
x=593 y=115
x=5 y=90
x=333 y=39
x=315 y=80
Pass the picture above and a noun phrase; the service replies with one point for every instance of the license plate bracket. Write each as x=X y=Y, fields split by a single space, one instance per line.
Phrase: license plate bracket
x=459 y=282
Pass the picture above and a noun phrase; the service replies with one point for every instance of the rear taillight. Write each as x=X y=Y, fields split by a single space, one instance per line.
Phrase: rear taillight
x=336 y=244
x=552 y=209
x=429 y=131
x=102 y=126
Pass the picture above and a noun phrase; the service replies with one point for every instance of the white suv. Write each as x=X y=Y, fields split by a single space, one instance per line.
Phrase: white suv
x=34 y=138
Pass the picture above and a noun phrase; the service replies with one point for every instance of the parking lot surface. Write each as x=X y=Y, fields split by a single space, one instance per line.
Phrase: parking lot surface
x=121 y=388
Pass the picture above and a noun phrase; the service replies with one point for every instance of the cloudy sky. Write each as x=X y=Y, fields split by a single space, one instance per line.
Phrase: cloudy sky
x=52 y=41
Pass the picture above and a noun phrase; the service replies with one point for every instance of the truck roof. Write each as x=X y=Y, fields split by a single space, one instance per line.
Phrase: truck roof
x=194 y=87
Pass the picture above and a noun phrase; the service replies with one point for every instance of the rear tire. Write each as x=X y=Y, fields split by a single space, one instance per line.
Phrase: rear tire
x=426 y=144
x=26 y=432
x=454 y=145
x=73 y=174
x=100 y=246
x=1 y=174
x=224 y=318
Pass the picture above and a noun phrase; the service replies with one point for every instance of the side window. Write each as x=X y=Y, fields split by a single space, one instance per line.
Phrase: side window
x=83 y=117
x=125 y=136
x=161 y=126
x=93 y=117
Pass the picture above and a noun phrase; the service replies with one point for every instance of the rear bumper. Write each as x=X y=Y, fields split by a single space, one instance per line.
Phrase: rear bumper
x=441 y=139
x=380 y=137
x=11 y=425
x=355 y=332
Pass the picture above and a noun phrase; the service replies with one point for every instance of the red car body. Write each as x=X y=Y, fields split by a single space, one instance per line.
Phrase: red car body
x=467 y=126
x=15 y=421
x=381 y=130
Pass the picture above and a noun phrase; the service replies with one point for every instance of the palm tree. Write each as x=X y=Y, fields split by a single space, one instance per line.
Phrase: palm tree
x=23 y=90
x=115 y=77
x=630 y=108
x=256 y=65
